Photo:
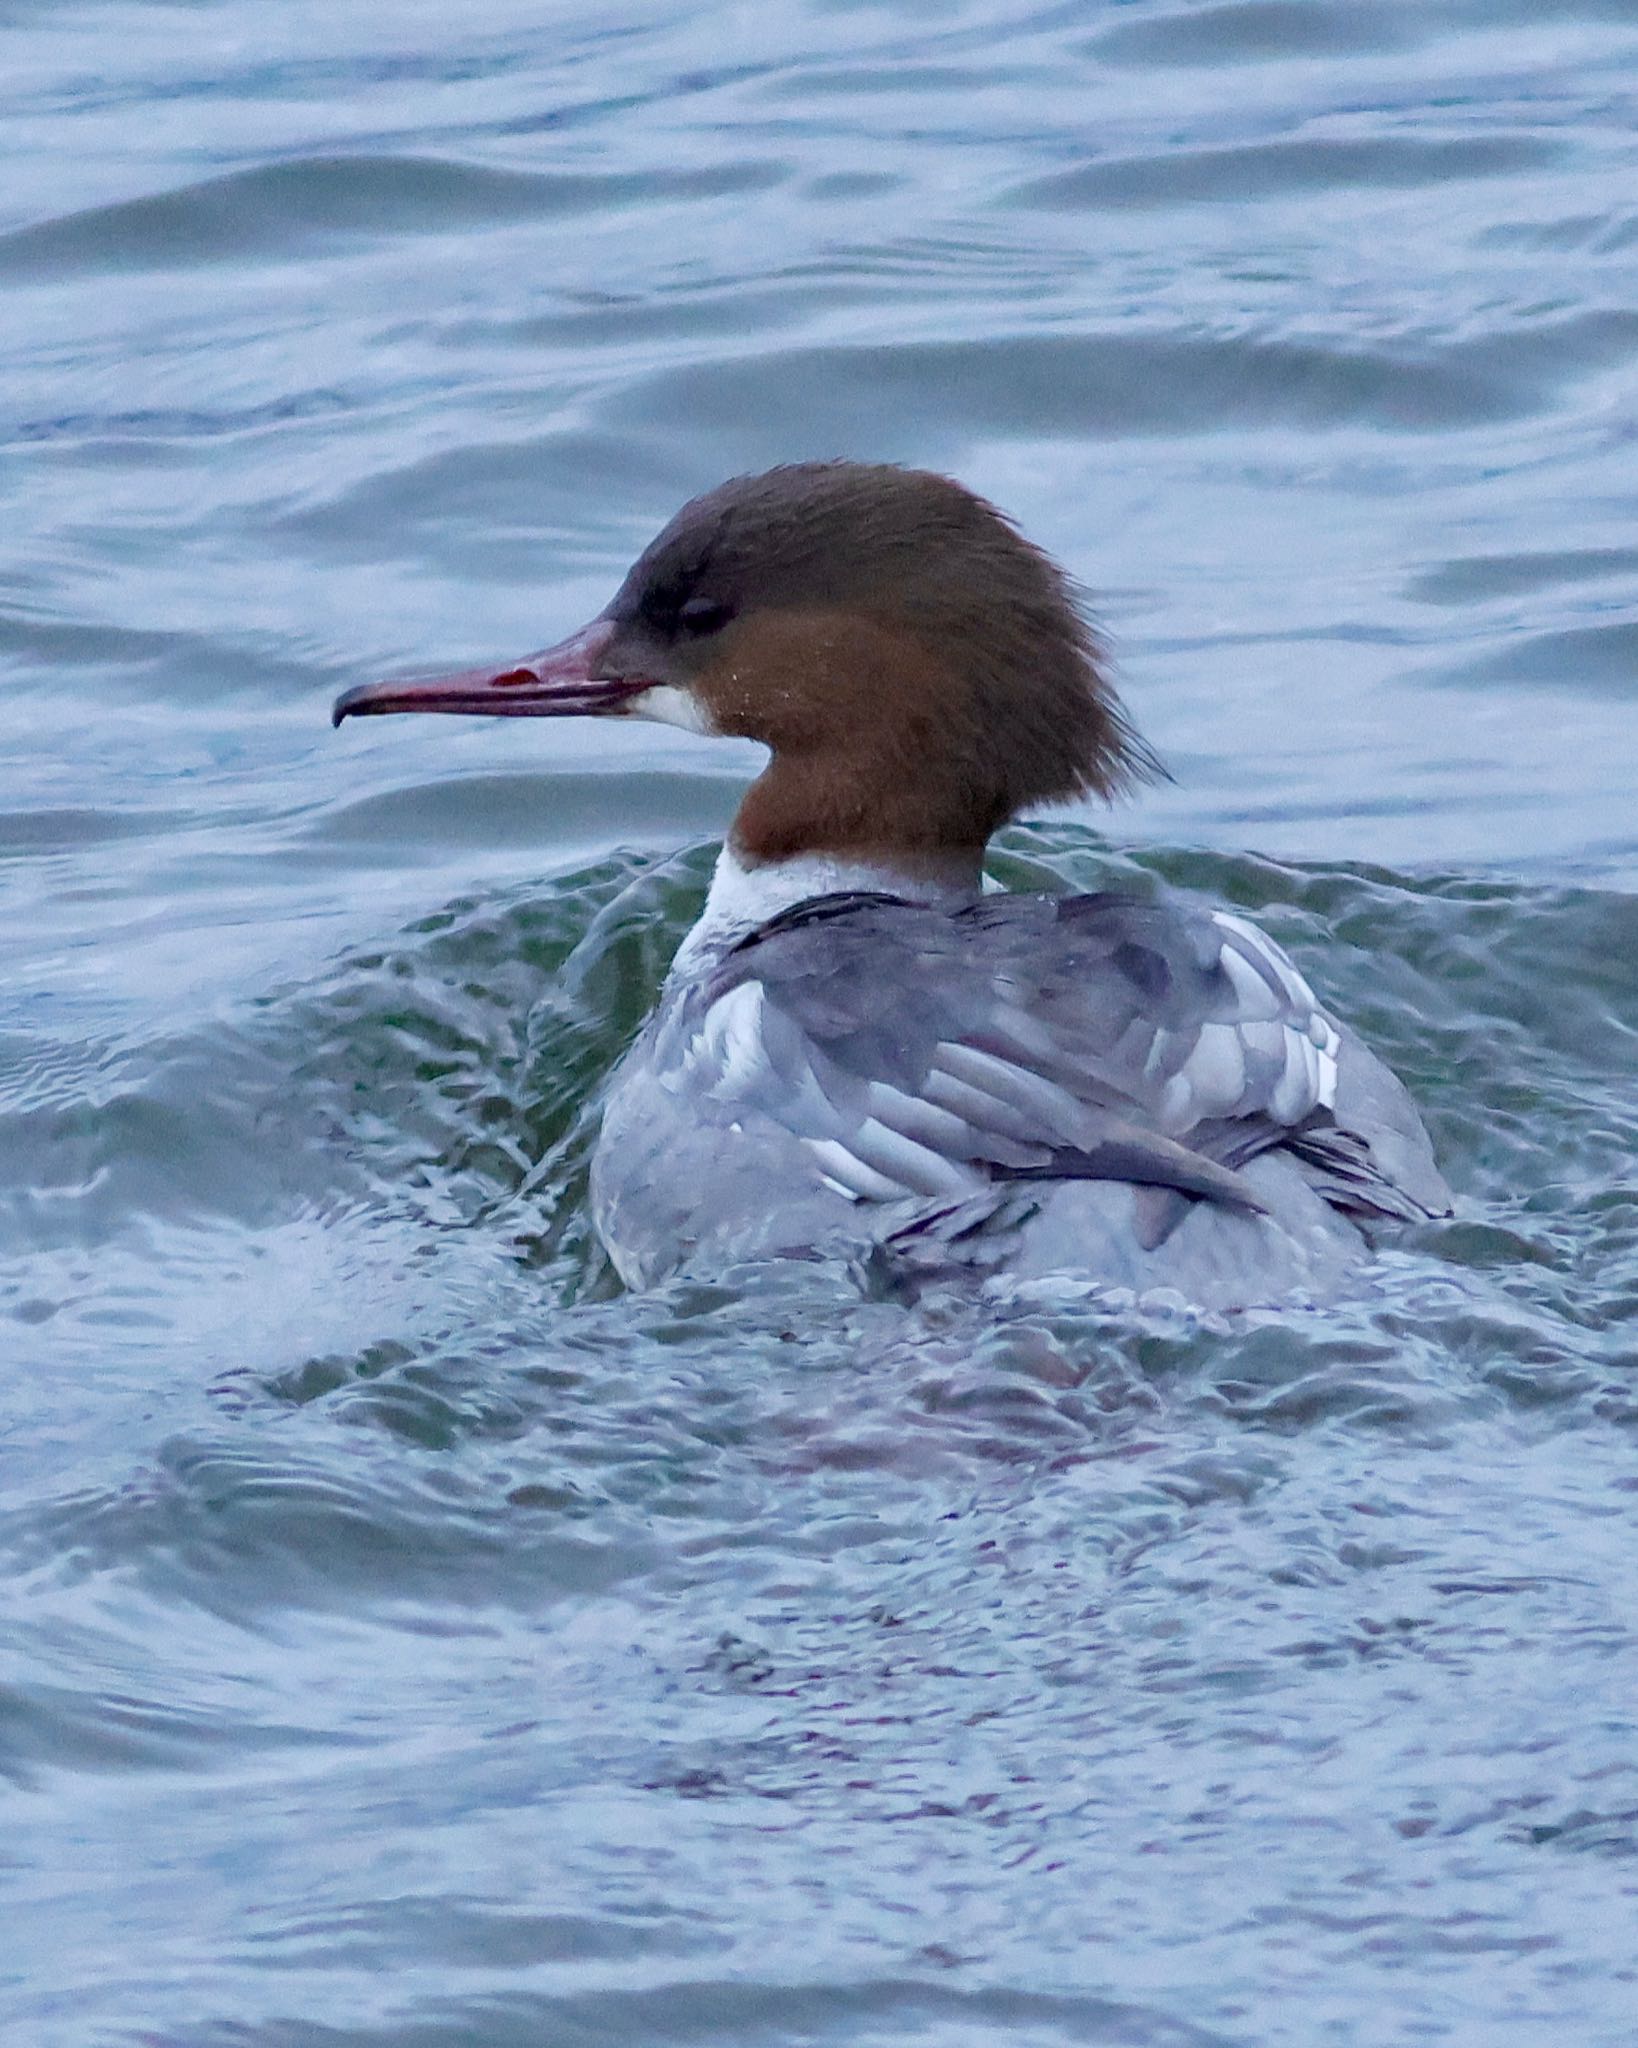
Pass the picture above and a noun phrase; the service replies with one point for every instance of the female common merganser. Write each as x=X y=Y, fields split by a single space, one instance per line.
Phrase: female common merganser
x=857 y=1049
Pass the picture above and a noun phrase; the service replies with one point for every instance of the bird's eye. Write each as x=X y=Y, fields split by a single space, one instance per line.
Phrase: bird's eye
x=702 y=615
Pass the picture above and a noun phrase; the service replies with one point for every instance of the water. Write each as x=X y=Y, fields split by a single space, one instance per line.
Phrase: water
x=408 y=1639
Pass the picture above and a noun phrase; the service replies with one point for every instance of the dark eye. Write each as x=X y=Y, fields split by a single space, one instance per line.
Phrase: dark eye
x=702 y=615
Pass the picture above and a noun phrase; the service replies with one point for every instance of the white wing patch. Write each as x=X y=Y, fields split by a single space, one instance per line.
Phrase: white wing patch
x=730 y=1039
x=916 y=1117
x=1216 y=1070
x=846 y=1175
x=1297 y=991
x=885 y=1163
x=1297 y=1089
x=1258 y=1002
x=1306 y=1043
x=1002 y=1097
x=1328 y=1061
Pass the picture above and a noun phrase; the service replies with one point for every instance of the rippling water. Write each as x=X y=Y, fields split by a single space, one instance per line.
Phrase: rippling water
x=408 y=1639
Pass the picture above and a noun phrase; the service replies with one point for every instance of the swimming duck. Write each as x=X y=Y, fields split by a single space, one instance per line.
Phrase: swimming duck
x=860 y=1051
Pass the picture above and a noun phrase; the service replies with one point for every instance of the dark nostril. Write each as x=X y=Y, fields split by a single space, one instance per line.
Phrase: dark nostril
x=514 y=678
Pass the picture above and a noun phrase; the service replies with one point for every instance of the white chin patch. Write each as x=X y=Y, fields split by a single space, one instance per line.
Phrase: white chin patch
x=665 y=704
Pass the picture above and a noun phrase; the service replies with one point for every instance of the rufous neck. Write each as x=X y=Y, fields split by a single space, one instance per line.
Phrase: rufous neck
x=893 y=796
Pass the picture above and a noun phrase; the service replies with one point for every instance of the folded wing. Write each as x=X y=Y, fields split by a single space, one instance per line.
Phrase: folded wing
x=922 y=1053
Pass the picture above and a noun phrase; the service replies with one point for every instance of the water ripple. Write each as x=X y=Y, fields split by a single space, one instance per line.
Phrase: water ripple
x=1229 y=177
x=304 y=207
x=446 y=1647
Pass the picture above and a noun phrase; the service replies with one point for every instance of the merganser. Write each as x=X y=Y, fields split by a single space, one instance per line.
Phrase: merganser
x=858 y=1050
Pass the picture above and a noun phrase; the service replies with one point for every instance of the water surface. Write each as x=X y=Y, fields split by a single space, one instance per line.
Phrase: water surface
x=408 y=1638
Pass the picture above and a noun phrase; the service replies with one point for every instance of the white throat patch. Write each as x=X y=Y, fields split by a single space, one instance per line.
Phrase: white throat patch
x=665 y=704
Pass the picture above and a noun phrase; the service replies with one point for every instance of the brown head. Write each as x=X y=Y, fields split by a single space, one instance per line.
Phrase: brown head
x=920 y=672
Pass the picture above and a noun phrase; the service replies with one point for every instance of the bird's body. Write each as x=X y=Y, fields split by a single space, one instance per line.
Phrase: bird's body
x=1135 y=1089
x=859 y=1051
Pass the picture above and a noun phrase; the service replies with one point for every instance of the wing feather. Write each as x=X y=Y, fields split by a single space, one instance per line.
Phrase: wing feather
x=924 y=1053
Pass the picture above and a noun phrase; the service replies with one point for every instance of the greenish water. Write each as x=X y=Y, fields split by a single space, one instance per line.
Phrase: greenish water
x=408 y=1638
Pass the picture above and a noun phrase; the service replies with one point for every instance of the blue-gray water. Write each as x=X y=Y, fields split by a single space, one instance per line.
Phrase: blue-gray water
x=407 y=1640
